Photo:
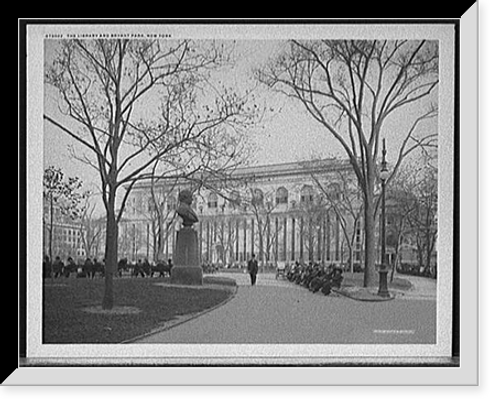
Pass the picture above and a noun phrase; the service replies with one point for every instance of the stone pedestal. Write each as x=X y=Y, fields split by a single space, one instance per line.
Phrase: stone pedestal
x=187 y=269
x=382 y=287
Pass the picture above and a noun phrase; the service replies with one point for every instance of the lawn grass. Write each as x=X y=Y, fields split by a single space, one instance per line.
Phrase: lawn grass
x=66 y=301
x=356 y=280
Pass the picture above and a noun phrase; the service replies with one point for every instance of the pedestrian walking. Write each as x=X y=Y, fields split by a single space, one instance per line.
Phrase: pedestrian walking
x=253 y=268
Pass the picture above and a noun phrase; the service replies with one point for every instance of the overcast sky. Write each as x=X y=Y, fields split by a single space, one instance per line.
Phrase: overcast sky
x=289 y=134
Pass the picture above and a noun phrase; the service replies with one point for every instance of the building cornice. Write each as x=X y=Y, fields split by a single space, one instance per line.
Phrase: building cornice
x=268 y=171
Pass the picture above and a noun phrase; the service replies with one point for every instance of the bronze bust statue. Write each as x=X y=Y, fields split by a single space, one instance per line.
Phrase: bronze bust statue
x=184 y=209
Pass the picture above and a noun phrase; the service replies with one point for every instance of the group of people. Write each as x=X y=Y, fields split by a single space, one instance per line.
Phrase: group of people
x=95 y=268
x=316 y=277
x=57 y=268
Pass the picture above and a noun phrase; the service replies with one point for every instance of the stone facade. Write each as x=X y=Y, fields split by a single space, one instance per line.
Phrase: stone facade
x=279 y=212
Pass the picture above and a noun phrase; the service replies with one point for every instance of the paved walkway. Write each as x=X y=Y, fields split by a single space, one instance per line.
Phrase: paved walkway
x=422 y=288
x=277 y=311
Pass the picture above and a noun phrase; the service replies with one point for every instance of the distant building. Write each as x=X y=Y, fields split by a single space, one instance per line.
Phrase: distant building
x=279 y=212
x=67 y=235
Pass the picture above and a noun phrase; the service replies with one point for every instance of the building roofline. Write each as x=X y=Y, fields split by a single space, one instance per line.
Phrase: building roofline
x=287 y=168
x=323 y=163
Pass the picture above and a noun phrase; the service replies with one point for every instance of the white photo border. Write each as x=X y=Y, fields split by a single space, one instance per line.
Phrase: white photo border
x=274 y=353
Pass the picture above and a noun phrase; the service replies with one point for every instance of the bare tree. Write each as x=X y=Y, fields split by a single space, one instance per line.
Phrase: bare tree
x=241 y=193
x=132 y=103
x=423 y=219
x=401 y=205
x=313 y=210
x=91 y=229
x=224 y=235
x=341 y=194
x=160 y=212
x=261 y=206
x=61 y=195
x=353 y=88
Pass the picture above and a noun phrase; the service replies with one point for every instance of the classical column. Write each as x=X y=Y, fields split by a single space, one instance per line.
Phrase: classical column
x=328 y=238
x=166 y=244
x=292 y=235
x=222 y=229
x=285 y=257
x=301 y=239
x=200 y=233
x=252 y=241
x=268 y=239
x=277 y=242
x=311 y=240
x=214 y=240
x=230 y=242
x=326 y=231
x=244 y=231
x=211 y=241
x=237 y=239
x=147 y=241
x=207 y=231
x=319 y=239
x=174 y=236
x=337 y=238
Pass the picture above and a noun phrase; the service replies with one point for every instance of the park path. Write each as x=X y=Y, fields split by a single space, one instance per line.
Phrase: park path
x=277 y=311
x=423 y=288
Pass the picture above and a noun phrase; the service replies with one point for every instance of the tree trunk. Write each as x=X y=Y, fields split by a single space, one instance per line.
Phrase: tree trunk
x=111 y=251
x=351 y=259
x=261 y=248
x=396 y=257
x=370 y=277
x=420 y=252
x=51 y=229
x=161 y=245
x=428 y=257
x=111 y=260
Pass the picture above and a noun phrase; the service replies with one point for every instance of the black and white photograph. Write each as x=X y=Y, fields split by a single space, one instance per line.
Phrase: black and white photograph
x=243 y=195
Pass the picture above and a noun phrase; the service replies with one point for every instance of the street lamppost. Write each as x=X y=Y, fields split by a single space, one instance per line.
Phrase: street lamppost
x=384 y=175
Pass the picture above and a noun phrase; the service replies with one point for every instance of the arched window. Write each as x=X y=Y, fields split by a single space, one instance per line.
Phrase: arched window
x=257 y=197
x=234 y=199
x=151 y=204
x=334 y=192
x=281 y=196
x=306 y=194
x=171 y=203
x=212 y=200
